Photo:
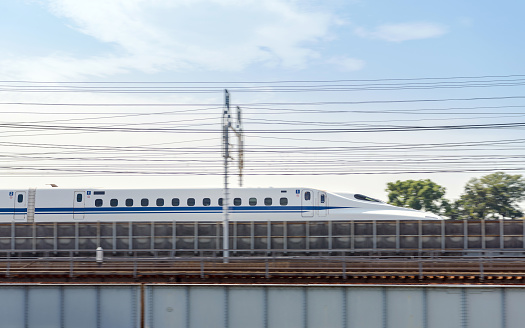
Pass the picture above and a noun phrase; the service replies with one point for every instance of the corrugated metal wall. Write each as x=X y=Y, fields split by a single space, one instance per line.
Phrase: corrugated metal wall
x=246 y=306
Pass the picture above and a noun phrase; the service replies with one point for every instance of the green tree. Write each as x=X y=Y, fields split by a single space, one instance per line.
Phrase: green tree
x=492 y=196
x=423 y=195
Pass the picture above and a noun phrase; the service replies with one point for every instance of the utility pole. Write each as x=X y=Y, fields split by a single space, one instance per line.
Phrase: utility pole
x=226 y=127
x=240 y=138
x=226 y=153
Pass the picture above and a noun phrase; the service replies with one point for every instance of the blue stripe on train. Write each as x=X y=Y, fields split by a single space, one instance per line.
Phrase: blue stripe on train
x=166 y=210
x=11 y=211
x=185 y=210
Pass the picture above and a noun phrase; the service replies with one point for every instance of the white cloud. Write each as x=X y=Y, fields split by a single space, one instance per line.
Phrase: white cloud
x=347 y=63
x=403 y=31
x=159 y=35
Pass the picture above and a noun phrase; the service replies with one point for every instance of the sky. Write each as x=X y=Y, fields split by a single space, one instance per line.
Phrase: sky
x=336 y=95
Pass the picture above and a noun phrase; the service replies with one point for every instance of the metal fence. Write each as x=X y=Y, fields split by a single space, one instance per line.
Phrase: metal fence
x=261 y=236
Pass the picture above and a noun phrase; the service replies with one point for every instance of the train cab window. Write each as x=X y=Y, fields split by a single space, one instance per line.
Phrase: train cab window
x=307 y=195
x=113 y=202
x=160 y=201
x=191 y=202
x=363 y=197
x=206 y=202
x=283 y=201
x=220 y=202
x=253 y=201
x=267 y=201
x=129 y=202
x=323 y=198
x=144 y=202
x=237 y=202
x=98 y=202
x=79 y=198
x=175 y=202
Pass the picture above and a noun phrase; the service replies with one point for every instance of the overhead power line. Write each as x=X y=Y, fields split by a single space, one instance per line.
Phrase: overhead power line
x=253 y=131
x=274 y=81
x=312 y=138
x=317 y=103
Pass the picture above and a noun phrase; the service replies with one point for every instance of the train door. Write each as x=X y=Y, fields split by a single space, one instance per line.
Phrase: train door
x=20 y=206
x=323 y=204
x=79 y=205
x=307 y=203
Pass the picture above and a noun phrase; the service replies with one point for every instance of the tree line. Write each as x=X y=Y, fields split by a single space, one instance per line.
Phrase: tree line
x=493 y=196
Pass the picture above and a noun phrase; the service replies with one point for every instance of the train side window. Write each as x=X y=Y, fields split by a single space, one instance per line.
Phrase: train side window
x=144 y=202
x=113 y=202
x=267 y=201
x=323 y=199
x=237 y=202
x=307 y=195
x=206 y=202
x=191 y=202
x=283 y=201
x=160 y=201
x=79 y=198
x=175 y=202
x=129 y=202
x=253 y=201
x=220 y=201
x=98 y=202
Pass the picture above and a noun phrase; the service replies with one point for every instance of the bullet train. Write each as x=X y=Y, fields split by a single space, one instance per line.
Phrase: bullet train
x=244 y=204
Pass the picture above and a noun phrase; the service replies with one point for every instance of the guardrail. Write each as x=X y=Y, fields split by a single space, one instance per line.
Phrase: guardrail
x=479 y=268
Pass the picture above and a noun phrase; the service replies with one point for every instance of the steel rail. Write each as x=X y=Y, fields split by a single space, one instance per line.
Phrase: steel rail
x=267 y=267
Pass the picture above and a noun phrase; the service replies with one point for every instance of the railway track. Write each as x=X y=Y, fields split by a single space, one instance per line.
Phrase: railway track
x=257 y=270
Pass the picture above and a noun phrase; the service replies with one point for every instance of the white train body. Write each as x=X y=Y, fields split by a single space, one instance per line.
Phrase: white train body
x=245 y=204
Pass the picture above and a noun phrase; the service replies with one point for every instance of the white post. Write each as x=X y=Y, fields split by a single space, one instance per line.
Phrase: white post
x=99 y=255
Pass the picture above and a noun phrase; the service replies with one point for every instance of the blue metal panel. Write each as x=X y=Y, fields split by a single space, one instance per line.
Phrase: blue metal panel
x=405 y=308
x=12 y=307
x=515 y=314
x=247 y=307
x=69 y=306
x=207 y=307
x=80 y=307
x=240 y=306
x=166 y=307
x=44 y=307
x=484 y=307
x=324 y=307
x=365 y=307
x=444 y=307
x=119 y=306
x=286 y=307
